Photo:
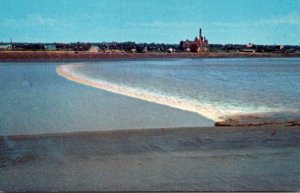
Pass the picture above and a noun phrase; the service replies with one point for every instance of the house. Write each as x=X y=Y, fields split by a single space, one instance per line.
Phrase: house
x=249 y=45
x=94 y=49
x=145 y=50
x=171 y=50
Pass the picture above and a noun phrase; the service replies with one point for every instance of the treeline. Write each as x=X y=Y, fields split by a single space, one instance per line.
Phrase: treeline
x=82 y=46
x=143 y=47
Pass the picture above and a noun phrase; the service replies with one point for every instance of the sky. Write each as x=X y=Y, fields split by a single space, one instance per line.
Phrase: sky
x=160 y=21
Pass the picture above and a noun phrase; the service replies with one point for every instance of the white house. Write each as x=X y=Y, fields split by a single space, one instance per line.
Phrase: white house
x=94 y=49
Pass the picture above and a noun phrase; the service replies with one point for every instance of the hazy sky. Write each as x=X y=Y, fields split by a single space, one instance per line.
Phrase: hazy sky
x=169 y=21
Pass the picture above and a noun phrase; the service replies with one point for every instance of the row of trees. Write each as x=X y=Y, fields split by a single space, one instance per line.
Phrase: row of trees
x=150 y=47
x=82 y=46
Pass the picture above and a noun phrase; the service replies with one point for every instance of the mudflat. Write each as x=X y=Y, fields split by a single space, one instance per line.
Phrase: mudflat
x=59 y=56
x=261 y=158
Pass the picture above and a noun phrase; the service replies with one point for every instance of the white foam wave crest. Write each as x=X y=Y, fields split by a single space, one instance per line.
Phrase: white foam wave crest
x=210 y=111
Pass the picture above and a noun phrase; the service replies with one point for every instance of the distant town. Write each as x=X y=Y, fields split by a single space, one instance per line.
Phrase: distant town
x=198 y=45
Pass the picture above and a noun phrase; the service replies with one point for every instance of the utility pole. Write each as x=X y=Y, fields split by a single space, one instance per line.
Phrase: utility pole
x=11 y=43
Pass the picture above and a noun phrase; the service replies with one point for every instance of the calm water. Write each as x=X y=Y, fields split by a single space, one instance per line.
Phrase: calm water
x=35 y=99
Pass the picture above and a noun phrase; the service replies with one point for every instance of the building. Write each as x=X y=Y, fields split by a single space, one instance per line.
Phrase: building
x=202 y=41
x=186 y=45
x=94 y=49
x=199 y=44
x=171 y=50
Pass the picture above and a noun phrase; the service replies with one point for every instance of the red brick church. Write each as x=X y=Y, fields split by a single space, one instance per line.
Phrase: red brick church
x=197 y=45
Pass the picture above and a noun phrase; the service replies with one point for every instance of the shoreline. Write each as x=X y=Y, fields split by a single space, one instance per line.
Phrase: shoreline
x=156 y=131
x=175 y=159
x=59 y=56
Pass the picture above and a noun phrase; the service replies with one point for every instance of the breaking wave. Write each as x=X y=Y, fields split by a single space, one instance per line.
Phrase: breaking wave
x=210 y=111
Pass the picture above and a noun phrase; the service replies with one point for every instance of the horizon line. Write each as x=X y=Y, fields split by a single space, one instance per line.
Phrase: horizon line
x=91 y=42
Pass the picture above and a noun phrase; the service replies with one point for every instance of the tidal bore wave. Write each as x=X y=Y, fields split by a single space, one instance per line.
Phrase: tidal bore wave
x=220 y=115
